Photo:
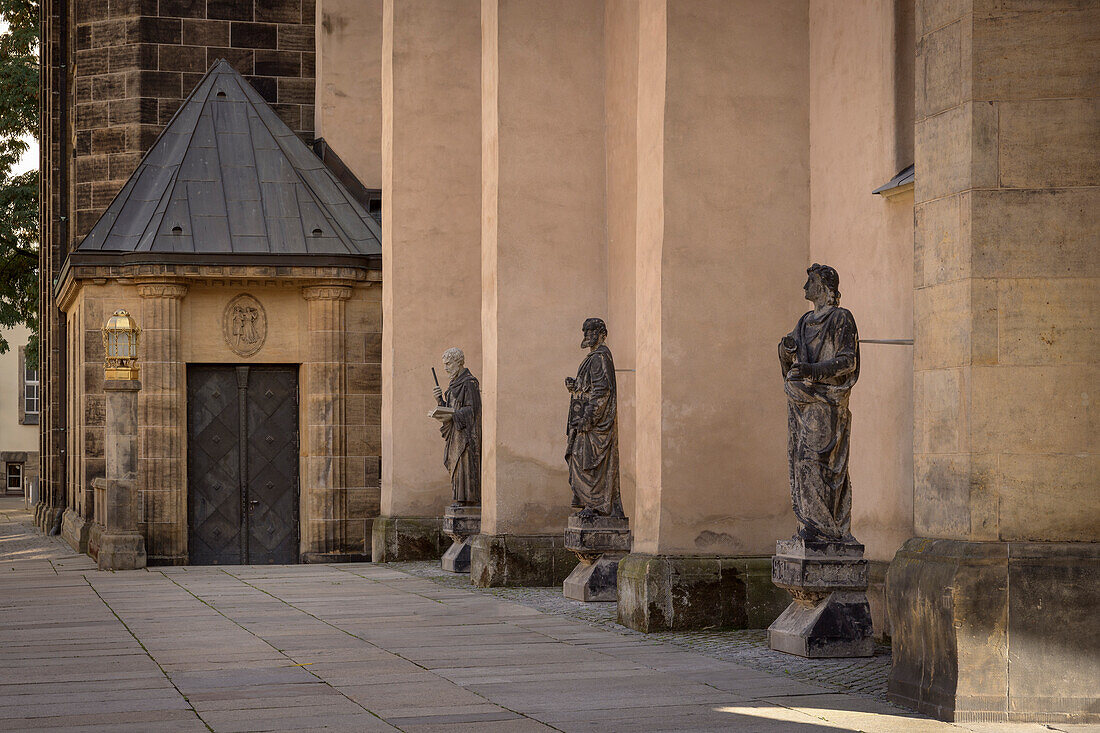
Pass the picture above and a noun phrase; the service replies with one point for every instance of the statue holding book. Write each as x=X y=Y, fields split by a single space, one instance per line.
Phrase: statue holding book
x=459 y=411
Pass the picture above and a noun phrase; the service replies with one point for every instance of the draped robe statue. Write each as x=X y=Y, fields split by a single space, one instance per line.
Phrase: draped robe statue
x=820 y=361
x=462 y=431
x=592 y=430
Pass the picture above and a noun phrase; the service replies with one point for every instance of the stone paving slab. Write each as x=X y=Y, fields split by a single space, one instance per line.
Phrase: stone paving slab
x=370 y=648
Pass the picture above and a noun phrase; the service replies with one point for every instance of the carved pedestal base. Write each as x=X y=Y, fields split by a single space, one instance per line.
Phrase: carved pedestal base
x=599 y=542
x=121 y=551
x=460 y=523
x=830 y=616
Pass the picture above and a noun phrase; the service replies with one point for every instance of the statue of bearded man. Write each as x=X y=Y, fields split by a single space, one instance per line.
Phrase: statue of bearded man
x=592 y=430
x=820 y=362
x=462 y=429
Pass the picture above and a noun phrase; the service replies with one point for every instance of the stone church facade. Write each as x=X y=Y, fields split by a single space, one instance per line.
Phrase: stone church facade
x=671 y=166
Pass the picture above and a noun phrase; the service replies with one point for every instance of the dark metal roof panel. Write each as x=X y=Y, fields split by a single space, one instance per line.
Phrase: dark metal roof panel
x=228 y=176
x=904 y=177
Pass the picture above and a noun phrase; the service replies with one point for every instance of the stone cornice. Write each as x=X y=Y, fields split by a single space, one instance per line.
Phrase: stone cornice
x=73 y=275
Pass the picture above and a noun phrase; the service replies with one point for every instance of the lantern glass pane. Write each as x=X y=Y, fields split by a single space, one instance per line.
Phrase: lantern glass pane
x=112 y=344
x=124 y=347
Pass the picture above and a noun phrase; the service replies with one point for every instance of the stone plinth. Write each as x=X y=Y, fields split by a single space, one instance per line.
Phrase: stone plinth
x=995 y=631
x=599 y=543
x=498 y=560
x=830 y=615
x=684 y=592
x=460 y=523
x=400 y=539
x=121 y=547
x=74 y=530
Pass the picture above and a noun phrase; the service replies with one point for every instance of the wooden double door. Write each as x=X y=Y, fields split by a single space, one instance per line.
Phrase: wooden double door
x=242 y=464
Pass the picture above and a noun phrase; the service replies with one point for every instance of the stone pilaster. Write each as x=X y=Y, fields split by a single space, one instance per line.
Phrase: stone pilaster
x=432 y=112
x=711 y=487
x=543 y=154
x=992 y=606
x=121 y=547
x=324 y=496
x=162 y=414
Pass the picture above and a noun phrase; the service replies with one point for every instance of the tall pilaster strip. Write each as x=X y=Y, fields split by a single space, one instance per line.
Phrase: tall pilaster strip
x=324 y=498
x=162 y=463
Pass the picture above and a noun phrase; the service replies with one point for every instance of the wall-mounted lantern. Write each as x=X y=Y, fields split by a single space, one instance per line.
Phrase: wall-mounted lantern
x=120 y=346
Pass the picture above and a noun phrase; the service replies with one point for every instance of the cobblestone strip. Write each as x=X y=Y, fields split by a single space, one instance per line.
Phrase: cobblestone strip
x=864 y=676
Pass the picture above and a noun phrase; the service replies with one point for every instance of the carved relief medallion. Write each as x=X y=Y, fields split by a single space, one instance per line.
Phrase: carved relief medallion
x=244 y=325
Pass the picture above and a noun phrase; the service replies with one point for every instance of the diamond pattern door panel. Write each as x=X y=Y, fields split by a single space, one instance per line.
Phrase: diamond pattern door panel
x=213 y=467
x=272 y=465
x=242 y=461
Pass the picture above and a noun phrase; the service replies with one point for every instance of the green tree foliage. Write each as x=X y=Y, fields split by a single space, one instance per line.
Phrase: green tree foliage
x=18 y=193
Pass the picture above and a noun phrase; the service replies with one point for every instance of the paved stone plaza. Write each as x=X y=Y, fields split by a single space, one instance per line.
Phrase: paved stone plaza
x=364 y=647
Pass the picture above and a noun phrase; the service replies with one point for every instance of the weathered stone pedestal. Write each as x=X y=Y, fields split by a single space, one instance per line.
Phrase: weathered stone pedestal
x=519 y=561
x=403 y=539
x=121 y=546
x=599 y=543
x=460 y=523
x=830 y=616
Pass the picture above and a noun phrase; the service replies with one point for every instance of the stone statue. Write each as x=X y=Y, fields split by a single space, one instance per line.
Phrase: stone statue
x=592 y=447
x=822 y=566
x=820 y=360
x=461 y=429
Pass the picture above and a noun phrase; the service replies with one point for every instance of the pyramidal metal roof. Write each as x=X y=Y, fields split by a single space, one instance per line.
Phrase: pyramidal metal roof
x=227 y=176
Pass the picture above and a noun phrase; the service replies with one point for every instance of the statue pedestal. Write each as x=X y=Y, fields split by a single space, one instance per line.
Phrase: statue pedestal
x=599 y=542
x=830 y=616
x=460 y=523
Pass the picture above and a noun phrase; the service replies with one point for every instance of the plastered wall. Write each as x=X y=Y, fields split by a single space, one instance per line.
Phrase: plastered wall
x=348 y=112
x=854 y=149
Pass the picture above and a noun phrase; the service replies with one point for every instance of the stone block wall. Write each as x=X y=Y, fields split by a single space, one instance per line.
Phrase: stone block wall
x=1005 y=443
x=134 y=62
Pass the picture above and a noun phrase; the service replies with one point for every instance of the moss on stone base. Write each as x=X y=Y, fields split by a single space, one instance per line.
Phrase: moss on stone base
x=397 y=539
x=519 y=560
x=681 y=592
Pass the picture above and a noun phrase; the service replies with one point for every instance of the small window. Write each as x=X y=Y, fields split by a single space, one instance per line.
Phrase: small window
x=30 y=391
x=14 y=483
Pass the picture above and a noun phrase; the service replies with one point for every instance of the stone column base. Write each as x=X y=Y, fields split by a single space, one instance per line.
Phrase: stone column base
x=95 y=531
x=838 y=626
x=47 y=517
x=830 y=616
x=594 y=582
x=681 y=592
x=121 y=551
x=460 y=524
x=457 y=557
x=398 y=539
x=599 y=543
x=498 y=560
x=995 y=631
x=75 y=530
